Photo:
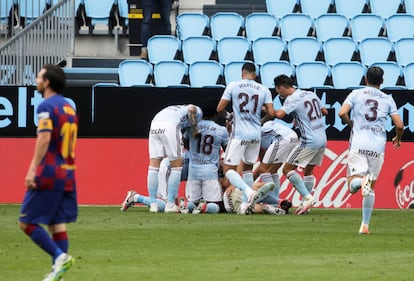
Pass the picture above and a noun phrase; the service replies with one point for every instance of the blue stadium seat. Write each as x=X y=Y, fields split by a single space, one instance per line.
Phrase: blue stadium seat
x=279 y=8
x=400 y=26
x=351 y=8
x=99 y=11
x=347 y=75
x=234 y=48
x=191 y=24
x=373 y=50
x=312 y=75
x=392 y=74
x=316 y=8
x=341 y=49
x=225 y=24
x=123 y=10
x=267 y=49
x=409 y=7
x=330 y=26
x=404 y=53
x=303 y=49
x=171 y=74
x=135 y=73
x=5 y=9
x=295 y=25
x=386 y=8
x=206 y=74
x=269 y=70
x=198 y=48
x=260 y=25
x=163 y=47
x=233 y=71
x=408 y=76
x=366 y=26
x=30 y=10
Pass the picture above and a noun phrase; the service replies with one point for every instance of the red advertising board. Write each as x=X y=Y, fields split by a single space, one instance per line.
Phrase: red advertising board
x=107 y=168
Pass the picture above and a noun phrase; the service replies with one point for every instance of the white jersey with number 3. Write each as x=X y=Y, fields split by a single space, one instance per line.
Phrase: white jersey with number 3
x=370 y=110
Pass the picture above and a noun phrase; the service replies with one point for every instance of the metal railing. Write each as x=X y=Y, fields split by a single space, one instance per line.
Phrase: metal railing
x=48 y=39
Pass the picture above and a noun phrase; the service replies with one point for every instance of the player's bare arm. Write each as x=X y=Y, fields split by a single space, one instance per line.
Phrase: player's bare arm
x=344 y=114
x=399 y=130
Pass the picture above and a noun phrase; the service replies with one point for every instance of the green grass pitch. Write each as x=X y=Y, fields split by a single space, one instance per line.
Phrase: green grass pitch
x=137 y=245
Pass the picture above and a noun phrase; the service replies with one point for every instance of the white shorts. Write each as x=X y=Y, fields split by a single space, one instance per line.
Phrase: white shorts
x=303 y=157
x=241 y=150
x=279 y=150
x=164 y=141
x=209 y=190
x=364 y=162
x=232 y=200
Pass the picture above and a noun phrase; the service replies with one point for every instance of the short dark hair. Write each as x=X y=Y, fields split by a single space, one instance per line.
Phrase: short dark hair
x=249 y=67
x=375 y=75
x=56 y=76
x=283 y=80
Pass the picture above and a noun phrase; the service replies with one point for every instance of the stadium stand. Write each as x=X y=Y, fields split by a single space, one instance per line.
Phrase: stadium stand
x=269 y=70
x=404 y=51
x=295 y=25
x=279 y=8
x=366 y=26
x=99 y=16
x=351 y=8
x=372 y=50
x=260 y=25
x=30 y=10
x=341 y=49
x=316 y=8
x=347 y=75
x=265 y=49
x=206 y=74
x=312 y=75
x=190 y=24
x=234 y=48
x=226 y=24
x=386 y=8
x=408 y=75
x=304 y=49
x=400 y=26
x=330 y=26
x=198 y=48
x=135 y=72
x=172 y=73
x=163 y=48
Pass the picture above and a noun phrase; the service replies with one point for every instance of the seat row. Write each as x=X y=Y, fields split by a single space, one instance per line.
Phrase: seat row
x=308 y=75
x=259 y=24
x=265 y=49
x=349 y=8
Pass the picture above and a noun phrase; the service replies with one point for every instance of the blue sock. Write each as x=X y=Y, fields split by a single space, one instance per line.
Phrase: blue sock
x=355 y=185
x=161 y=205
x=62 y=241
x=248 y=178
x=147 y=202
x=40 y=236
x=236 y=180
x=191 y=206
x=309 y=182
x=173 y=184
x=212 y=208
x=271 y=199
x=152 y=182
x=367 y=206
x=276 y=180
x=298 y=183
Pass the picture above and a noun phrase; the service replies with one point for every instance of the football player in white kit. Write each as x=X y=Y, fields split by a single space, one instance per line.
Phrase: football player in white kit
x=277 y=142
x=203 y=186
x=247 y=97
x=165 y=141
x=307 y=111
x=370 y=109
